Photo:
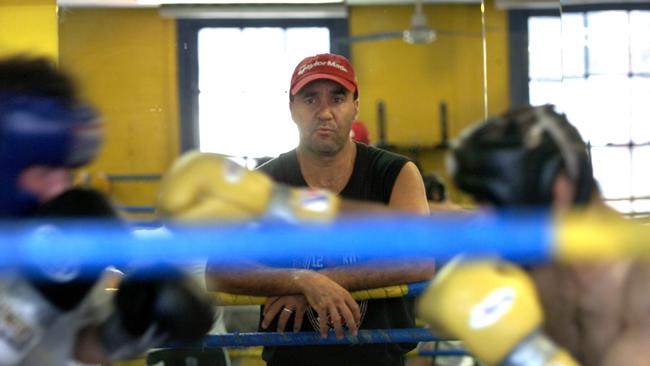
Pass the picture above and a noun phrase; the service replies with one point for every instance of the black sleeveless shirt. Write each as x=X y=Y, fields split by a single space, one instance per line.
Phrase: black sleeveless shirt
x=372 y=179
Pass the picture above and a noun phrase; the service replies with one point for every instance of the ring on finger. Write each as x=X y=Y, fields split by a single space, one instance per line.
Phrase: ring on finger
x=287 y=310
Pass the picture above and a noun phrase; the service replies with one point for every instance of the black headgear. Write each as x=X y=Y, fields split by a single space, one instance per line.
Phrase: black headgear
x=514 y=159
x=434 y=187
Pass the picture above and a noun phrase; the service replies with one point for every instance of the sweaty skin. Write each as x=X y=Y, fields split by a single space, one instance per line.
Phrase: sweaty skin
x=600 y=312
x=632 y=344
x=583 y=306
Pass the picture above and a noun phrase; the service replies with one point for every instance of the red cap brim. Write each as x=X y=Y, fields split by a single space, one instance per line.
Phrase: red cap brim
x=308 y=79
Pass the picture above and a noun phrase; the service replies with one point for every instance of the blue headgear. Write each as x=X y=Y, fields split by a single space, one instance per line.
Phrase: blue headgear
x=513 y=160
x=41 y=131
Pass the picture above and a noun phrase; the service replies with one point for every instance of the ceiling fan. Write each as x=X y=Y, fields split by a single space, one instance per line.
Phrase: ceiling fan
x=419 y=31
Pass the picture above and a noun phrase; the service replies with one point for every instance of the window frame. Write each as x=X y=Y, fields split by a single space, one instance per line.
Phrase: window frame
x=519 y=73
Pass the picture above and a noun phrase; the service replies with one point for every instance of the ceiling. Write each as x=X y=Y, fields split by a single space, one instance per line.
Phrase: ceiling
x=156 y=3
x=499 y=3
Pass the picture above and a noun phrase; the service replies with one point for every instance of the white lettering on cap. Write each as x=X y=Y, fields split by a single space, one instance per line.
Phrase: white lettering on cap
x=321 y=63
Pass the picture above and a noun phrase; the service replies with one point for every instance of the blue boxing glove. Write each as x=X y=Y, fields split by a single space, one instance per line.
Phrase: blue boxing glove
x=152 y=306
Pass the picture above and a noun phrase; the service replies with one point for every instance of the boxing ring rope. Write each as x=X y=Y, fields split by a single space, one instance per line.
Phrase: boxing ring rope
x=256 y=352
x=407 y=290
x=410 y=335
x=530 y=238
x=522 y=238
x=364 y=336
x=137 y=209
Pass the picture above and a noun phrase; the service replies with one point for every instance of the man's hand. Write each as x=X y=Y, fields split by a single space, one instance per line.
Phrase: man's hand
x=333 y=303
x=284 y=307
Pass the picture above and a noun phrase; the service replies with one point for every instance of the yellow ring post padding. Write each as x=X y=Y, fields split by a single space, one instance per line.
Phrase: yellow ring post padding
x=140 y=361
x=375 y=293
x=599 y=236
x=248 y=352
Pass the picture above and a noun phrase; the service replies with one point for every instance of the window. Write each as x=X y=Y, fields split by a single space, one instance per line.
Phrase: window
x=244 y=76
x=595 y=66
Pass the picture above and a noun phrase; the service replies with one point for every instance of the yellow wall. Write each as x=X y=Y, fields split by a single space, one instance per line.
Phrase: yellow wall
x=412 y=80
x=125 y=60
x=28 y=26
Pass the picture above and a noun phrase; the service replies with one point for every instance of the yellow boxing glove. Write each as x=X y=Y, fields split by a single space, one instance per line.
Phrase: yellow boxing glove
x=493 y=307
x=205 y=186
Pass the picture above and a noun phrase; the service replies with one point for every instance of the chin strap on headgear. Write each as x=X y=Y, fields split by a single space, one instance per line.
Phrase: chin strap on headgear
x=41 y=131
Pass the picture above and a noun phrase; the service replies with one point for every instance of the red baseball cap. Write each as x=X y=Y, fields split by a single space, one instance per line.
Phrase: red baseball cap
x=359 y=132
x=324 y=66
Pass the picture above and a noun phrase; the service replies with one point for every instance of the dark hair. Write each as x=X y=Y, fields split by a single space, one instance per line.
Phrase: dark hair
x=41 y=123
x=36 y=76
x=434 y=187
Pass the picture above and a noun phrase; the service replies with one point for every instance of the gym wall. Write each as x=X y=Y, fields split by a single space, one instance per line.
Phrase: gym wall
x=126 y=60
x=28 y=26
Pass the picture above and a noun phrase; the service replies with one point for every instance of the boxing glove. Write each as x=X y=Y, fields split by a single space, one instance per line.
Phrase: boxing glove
x=152 y=306
x=33 y=298
x=66 y=284
x=204 y=186
x=25 y=316
x=493 y=307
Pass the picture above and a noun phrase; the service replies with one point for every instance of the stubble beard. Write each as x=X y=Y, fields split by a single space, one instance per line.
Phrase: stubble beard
x=326 y=148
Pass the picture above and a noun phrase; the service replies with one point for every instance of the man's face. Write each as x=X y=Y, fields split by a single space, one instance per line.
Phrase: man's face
x=323 y=111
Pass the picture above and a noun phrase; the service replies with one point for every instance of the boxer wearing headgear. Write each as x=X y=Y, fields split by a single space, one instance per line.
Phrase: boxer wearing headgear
x=49 y=316
x=534 y=158
x=513 y=159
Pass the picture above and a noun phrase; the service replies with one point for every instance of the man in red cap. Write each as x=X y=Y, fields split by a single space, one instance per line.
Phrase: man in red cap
x=324 y=101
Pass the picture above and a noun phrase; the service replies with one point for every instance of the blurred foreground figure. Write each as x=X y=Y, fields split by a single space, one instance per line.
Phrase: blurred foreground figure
x=49 y=316
x=599 y=312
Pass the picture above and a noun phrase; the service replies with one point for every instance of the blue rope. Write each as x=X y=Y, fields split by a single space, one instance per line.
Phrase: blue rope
x=442 y=352
x=365 y=336
x=136 y=209
x=526 y=239
x=416 y=288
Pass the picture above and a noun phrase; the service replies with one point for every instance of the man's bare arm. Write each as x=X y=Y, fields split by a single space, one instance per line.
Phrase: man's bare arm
x=408 y=192
x=266 y=281
x=256 y=279
x=381 y=273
